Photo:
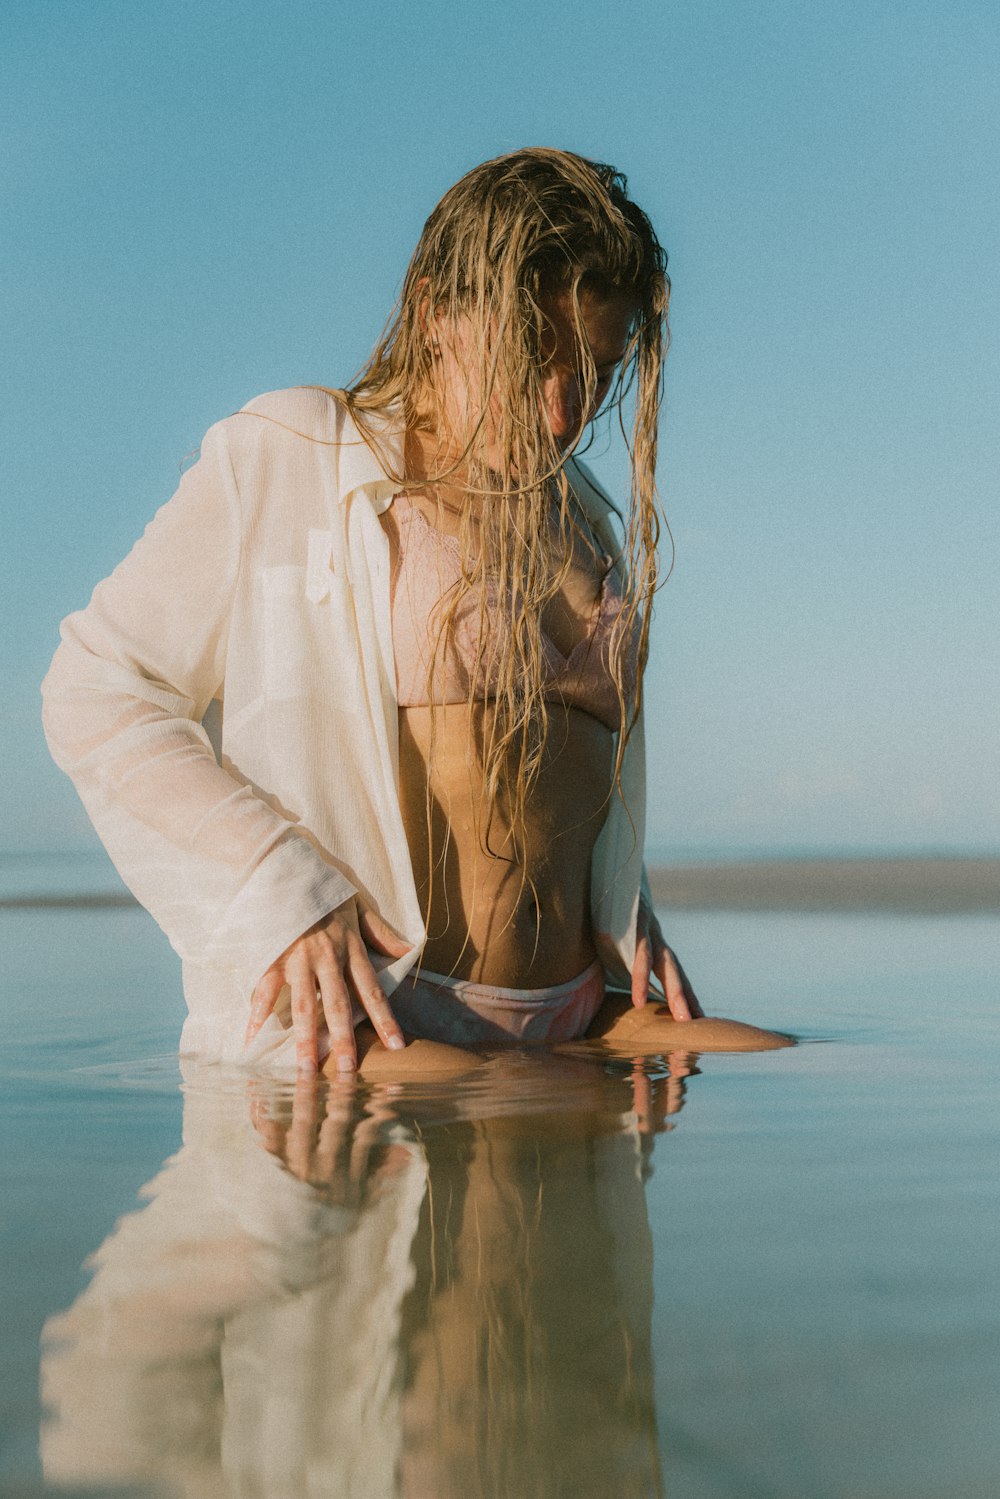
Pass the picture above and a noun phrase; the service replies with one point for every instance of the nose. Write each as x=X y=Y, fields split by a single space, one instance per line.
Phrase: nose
x=563 y=401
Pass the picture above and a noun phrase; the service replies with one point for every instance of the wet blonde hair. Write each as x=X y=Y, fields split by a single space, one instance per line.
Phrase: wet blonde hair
x=509 y=234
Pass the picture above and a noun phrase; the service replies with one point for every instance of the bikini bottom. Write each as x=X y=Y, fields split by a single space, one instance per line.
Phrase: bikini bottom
x=437 y=1008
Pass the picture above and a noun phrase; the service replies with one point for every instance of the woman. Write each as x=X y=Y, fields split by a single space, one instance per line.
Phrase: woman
x=408 y=606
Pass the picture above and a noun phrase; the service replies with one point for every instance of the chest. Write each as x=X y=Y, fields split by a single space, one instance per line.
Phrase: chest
x=427 y=564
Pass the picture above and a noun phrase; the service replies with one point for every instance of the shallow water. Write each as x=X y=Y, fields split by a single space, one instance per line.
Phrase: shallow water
x=772 y=1276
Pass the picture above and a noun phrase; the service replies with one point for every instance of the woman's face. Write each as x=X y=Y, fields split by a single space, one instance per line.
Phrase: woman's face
x=606 y=326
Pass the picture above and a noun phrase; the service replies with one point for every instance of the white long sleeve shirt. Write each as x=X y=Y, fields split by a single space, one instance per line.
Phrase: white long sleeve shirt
x=257 y=604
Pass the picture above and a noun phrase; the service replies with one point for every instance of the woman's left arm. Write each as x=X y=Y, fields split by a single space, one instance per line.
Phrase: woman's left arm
x=654 y=958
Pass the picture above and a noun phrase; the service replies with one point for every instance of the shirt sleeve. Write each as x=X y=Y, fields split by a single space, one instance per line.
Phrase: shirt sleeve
x=230 y=880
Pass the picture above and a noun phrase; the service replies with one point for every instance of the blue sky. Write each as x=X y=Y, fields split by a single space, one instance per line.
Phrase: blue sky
x=207 y=200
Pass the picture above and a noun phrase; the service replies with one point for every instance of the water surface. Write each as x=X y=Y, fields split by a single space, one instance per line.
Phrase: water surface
x=757 y=1276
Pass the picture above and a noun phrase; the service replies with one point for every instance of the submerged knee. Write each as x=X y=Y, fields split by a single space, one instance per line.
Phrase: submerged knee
x=417 y=1060
x=654 y=1027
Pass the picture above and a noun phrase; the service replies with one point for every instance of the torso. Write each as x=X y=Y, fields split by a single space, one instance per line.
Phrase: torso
x=481 y=923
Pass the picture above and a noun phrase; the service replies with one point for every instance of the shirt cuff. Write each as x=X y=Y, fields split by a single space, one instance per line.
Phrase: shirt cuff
x=290 y=890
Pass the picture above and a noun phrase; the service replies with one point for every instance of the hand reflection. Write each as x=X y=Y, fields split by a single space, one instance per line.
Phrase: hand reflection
x=450 y=1288
x=658 y=1095
x=325 y=1134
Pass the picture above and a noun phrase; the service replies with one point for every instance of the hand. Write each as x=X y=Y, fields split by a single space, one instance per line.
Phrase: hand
x=332 y=958
x=652 y=955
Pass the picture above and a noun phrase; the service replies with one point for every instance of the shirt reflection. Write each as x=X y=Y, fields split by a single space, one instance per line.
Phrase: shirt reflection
x=344 y=1290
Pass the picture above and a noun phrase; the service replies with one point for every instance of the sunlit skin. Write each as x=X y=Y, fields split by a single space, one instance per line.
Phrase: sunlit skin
x=481 y=924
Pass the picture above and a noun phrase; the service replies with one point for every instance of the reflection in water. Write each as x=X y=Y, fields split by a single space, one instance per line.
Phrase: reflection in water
x=344 y=1290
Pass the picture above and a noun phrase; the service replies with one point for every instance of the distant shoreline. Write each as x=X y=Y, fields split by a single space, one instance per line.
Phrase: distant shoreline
x=916 y=884
x=86 y=900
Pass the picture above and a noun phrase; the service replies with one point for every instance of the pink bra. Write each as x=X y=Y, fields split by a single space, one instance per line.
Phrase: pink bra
x=427 y=567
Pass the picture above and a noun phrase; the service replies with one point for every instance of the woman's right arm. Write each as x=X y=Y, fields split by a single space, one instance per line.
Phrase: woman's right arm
x=231 y=881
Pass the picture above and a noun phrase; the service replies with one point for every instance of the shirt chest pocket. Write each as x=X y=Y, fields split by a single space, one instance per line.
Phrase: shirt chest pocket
x=310 y=632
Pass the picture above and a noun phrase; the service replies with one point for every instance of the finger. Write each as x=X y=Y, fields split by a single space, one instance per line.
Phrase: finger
x=693 y=1003
x=306 y=1099
x=650 y=1101
x=667 y=972
x=380 y=935
x=271 y=1134
x=642 y=1098
x=641 y=970
x=259 y=1115
x=303 y=987
x=369 y=992
x=272 y=1137
x=339 y=1022
x=263 y=1001
x=674 y=1095
x=335 y=1130
x=257 y=1101
x=697 y=1013
x=367 y=1136
x=301 y=1135
x=680 y=1066
x=659 y=942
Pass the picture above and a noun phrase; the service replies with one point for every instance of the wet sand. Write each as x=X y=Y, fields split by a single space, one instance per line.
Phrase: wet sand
x=932 y=885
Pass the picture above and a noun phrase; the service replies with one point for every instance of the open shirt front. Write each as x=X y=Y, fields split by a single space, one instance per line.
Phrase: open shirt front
x=226 y=707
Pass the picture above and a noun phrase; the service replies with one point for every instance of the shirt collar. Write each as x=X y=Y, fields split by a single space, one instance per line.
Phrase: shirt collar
x=361 y=465
x=594 y=502
x=360 y=468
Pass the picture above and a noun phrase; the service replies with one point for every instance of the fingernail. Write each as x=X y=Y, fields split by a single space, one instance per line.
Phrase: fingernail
x=395 y=1043
x=345 y=1064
